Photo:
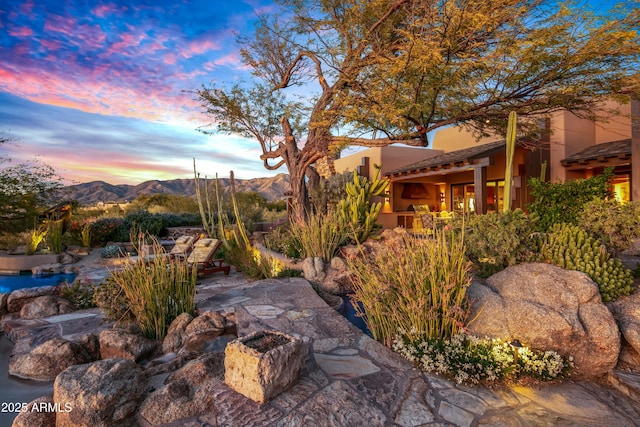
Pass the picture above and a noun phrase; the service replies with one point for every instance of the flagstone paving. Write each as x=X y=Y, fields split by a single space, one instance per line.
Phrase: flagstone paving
x=351 y=380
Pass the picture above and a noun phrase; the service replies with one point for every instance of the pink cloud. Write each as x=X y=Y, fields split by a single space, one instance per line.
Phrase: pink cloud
x=103 y=10
x=21 y=32
x=199 y=47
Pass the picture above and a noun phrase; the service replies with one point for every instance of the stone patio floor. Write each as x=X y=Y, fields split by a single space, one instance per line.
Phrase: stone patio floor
x=351 y=380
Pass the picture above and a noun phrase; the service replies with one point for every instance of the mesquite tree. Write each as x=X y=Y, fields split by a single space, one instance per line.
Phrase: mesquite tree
x=333 y=73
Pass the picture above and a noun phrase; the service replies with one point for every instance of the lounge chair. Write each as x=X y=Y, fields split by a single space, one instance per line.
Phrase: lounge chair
x=183 y=247
x=203 y=254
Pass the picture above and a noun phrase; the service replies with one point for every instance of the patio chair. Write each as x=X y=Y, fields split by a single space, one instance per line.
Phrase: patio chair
x=203 y=254
x=183 y=247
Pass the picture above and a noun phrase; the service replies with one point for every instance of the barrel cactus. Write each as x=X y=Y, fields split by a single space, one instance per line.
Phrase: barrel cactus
x=571 y=247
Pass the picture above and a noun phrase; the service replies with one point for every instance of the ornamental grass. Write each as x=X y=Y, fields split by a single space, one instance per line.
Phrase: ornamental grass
x=416 y=287
x=158 y=291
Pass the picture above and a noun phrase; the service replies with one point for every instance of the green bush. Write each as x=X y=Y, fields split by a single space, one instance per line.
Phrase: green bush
x=282 y=241
x=556 y=203
x=145 y=222
x=615 y=224
x=157 y=292
x=571 y=247
x=468 y=359
x=111 y=299
x=497 y=240
x=415 y=289
x=108 y=229
x=80 y=293
x=321 y=236
x=251 y=262
x=54 y=236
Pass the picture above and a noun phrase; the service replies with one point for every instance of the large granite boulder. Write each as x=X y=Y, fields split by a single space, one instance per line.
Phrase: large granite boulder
x=626 y=311
x=187 y=392
x=116 y=343
x=105 y=393
x=47 y=360
x=20 y=297
x=4 y=296
x=176 y=335
x=39 y=413
x=332 y=277
x=548 y=308
x=46 y=306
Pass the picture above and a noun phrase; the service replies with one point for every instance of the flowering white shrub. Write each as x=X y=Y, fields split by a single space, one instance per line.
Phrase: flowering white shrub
x=469 y=359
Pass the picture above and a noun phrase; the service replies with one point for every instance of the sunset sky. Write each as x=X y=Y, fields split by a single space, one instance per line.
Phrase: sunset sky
x=99 y=89
x=96 y=89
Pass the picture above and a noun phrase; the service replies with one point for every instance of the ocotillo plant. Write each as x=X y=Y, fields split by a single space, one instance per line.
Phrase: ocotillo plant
x=508 y=172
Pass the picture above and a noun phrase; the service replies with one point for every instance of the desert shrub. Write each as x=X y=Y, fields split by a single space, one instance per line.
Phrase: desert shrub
x=180 y=219
x=282 y=241
x=111 y=251
x=158 y=291
x=108 y=229
x=615 y=224
x=468 y=359
x=416 y=288
x=35 y=238
x=321 y=236
x=556 y=203
x=571 y=247
x=54 y=236
x=251 y=262
x=497 y=240
x=80 y=293
x=111 y=299
x=144 y=222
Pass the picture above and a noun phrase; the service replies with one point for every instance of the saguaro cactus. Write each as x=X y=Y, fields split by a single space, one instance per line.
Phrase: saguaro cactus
x=508 y=170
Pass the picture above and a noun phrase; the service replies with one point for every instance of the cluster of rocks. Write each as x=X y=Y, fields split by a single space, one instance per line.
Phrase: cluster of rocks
x=542 y=305
x=117 y=377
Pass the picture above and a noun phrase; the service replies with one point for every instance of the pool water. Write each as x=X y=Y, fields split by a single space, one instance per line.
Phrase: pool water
x=348 y=312
x=27 y=280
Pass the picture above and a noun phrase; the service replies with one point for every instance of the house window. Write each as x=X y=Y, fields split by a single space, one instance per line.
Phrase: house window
x=621 y=187
x=463 y=198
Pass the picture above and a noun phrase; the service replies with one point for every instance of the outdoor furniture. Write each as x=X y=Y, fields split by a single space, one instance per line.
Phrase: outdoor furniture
x=183 y=247
x=203 y=254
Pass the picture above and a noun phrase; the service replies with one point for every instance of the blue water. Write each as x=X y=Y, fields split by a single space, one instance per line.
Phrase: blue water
x=21 y=281
x=349 y=313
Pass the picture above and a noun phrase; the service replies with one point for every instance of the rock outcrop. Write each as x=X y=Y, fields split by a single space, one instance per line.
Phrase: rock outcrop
x=116 y=343
x=45 y=306
x=548 y=308
x=40 y=412
x=20 y=297
x=626 y=311
x=105 y=393
x=47 y=360
x=186 y=392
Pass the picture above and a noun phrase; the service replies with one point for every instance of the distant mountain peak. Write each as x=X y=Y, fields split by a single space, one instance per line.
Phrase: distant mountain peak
x=92 y=193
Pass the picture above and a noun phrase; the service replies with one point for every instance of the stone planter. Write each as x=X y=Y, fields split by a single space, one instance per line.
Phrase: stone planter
x=264 y=364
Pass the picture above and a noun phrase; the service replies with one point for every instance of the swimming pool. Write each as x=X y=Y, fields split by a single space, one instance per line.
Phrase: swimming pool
x=27 y=280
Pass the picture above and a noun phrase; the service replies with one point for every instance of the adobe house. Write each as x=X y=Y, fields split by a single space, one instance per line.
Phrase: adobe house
x=460 y=174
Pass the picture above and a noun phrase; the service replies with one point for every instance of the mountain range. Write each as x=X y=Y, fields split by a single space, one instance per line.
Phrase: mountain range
x=91 y=193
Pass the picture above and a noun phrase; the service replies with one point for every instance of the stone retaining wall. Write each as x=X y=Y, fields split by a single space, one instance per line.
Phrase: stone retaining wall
x=14 y=264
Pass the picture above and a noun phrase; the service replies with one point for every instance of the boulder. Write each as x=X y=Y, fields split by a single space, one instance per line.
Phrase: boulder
x=313 y=269
x=548 y=308
x=20 y=297
x=48 y=269
x=626 y=311
x=176 y=334
x=187 y=392
x=116 y=343
x=45 y=306
x=40 y=412
x=207 y=322
x=3 y=303
x=105 y=393
x=47 y=360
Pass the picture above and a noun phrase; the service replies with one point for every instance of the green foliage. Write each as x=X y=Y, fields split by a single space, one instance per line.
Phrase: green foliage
x=80 y=293
x=251 y=262
x=110 y=251
x=165 y=203
x=108 y=229
x=497 y=240
x=416 y=287
x=144 y=222
x=112 y=300
x=571 y=247
x=356 y=211
x=158 y=291
x=282 y=241
x=54 y=236
x=615 y=224
x=36 y=237
x=321 y=236
x=556 y=203
x=468 y=359
x=330 y=191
